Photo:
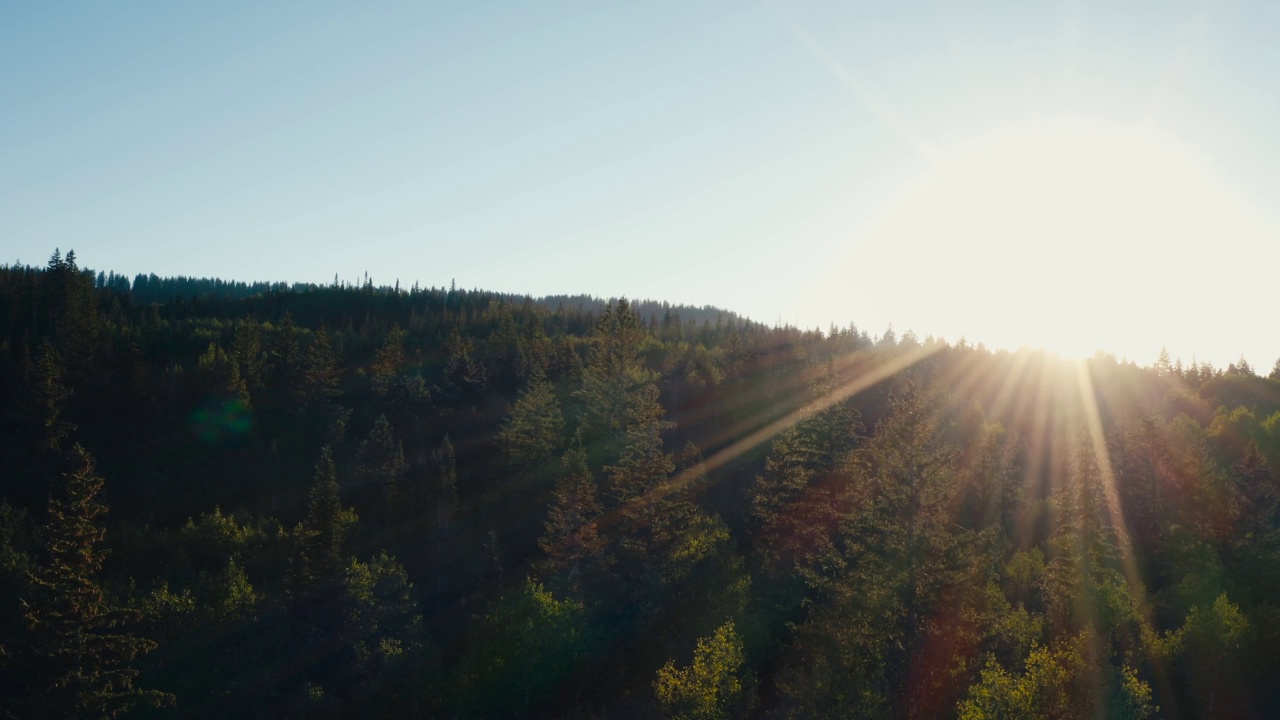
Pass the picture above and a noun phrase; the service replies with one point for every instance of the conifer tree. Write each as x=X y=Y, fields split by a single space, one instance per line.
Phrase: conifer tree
x=571 y=541
x=617 y=391
x=902 y=535
x=236 y=386
x=1164 y=367
x=533 y=434
x=390 y=363
x=446 y=506
x=81 y=655
x=286 y=355
x=900 y=558
x=380 y=462
x=463 y=376
x=316 y=569
x=49 y=397
x=320 y=385
x=246 y=348
x=320 y=375
x=794 y=503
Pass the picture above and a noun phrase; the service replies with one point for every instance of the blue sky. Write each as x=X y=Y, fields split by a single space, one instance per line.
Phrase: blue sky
x=740 y=154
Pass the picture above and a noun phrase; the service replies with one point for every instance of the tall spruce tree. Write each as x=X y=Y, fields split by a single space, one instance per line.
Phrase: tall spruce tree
x=617 y=391
x=316 y=569
x=81 y=653
x=380 y=464
x=48 y=397
x=389 y=364
x=571 y=542
x=794 y=502
x=533 y=434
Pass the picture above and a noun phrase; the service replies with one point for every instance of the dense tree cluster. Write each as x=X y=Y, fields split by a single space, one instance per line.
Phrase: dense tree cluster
x=260 y=500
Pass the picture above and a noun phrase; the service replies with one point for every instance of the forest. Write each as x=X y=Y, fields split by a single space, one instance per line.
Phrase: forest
x=263 y=500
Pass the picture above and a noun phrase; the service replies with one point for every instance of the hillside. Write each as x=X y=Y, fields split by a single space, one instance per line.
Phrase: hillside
x=271 y=500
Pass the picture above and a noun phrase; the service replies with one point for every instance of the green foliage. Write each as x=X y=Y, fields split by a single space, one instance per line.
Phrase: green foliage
x=617 y=392
x=316 y=570
x=385 y=630
x=710 y=687
x=49 y=396
x=390 y=363
x=1067 y=682
x=981 y=519
x=521 y=651
x=571 y=540
x=81 y=653
x=533 y=434
x=380 y=464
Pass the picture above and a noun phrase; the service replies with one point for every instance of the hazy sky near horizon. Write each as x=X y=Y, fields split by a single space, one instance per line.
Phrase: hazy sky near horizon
x=1079 y=175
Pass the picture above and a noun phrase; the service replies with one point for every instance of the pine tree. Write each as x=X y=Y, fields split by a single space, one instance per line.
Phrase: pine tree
x=463 y=376
x=617 y=391
x=320 y=385
x=390 y=363
x=236 y=386
x=49 y=397
x=320 y=376
x=901 y=560
x=380 y=462
x=533 y=434
x=904 y=537
x=1163 y=365
x=794 y=503
x=571 y=541
x=286 y=355
x=81 y=655
x=246 y=348
x=446 y=507
x=316 y=569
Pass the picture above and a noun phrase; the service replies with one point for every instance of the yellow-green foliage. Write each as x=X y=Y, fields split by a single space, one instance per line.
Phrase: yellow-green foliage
x=710 y=687
x=1064 y=683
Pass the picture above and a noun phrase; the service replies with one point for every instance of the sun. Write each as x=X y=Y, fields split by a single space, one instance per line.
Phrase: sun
x=1069 y=236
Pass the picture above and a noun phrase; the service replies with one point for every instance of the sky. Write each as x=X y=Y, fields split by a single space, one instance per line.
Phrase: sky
x=1078 y=176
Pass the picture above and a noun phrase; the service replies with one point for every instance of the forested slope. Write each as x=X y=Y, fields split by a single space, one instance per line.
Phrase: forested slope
x=355 y=501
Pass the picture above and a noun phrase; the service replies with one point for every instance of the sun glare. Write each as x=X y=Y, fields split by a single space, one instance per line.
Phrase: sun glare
x=1071 y=236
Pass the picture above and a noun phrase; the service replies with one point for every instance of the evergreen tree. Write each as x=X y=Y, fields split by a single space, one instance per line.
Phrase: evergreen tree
x=463 y=376
x=1164 y=366
x=286 y=354
x=571 y=541
x=320 y=376
x=904 y=563
x=320 y=386
x=533 y=434
x=81 y=655
x=795 y=506
x=48 y=398
x=389 y=364
x=380 y=463
x=617 y=391
x=316 y=569
x=246 y=348
x=446 y=469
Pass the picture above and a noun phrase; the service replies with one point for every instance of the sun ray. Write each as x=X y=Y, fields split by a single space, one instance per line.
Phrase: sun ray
x=878 y=107
x=880 y=373
x=1098 y=446
x=1011 y=384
